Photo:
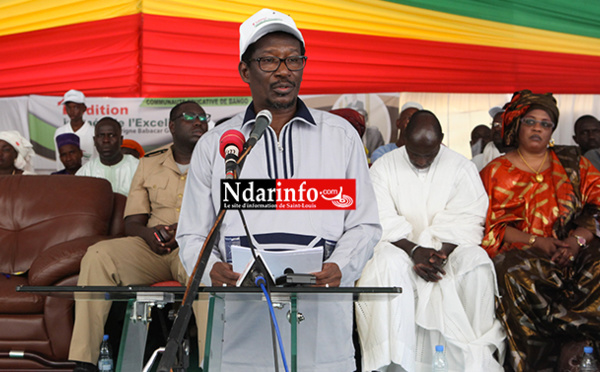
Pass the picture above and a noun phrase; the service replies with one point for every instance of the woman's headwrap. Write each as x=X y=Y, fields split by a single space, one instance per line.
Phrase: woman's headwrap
x=131 y=144
x=24 y=160
x=354 y=117
x=518 y=106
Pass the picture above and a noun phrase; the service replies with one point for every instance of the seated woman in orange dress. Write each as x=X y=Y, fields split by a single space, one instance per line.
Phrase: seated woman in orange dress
x=541 y=233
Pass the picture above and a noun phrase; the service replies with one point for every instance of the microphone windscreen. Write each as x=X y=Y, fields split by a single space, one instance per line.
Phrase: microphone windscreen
x=267 y=114
x=231 y=137
x=263 y=120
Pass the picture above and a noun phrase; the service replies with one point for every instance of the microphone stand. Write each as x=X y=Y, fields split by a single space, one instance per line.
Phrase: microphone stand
x=173 y=356
x=259 y=268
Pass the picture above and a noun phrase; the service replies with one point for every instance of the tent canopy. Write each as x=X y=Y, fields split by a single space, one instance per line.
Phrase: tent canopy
x=188 y=48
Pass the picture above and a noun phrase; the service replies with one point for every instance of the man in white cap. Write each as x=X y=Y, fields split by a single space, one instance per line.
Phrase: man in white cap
x=300 y=143
x=495 y=147
x=406 y=112
x=74 y=102
x=372 y=138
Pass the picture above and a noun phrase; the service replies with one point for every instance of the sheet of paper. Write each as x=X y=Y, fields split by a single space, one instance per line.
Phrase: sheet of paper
x=302 y=261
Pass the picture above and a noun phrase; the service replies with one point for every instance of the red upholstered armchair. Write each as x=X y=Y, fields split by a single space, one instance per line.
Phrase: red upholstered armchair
x=46 y=225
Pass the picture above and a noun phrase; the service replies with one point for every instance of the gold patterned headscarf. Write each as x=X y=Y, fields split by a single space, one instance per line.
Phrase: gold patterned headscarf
x=518 y=106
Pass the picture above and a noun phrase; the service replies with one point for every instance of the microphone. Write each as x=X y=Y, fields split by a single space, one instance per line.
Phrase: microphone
x=230 y=145
x=263 y=120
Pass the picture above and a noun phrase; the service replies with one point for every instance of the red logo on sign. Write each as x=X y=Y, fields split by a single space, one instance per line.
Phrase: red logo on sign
x=316 y=194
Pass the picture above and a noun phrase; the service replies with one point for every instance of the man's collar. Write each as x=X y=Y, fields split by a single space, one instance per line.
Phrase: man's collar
x=169 y=161
x=302 y=113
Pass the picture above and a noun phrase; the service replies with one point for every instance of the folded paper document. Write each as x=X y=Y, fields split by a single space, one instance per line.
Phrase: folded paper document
x=301 y=261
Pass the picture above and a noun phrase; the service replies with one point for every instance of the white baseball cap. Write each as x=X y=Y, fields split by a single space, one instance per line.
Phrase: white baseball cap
x=263 y=22
x=495 y=111
x=409 y=104
x=74 y=96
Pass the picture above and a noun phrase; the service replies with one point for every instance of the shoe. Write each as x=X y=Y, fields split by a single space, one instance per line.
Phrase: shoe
x=85 y=367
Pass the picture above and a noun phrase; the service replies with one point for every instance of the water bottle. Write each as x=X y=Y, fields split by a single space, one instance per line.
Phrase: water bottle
x=588 y=362
x=439 y=360
x=105 y=362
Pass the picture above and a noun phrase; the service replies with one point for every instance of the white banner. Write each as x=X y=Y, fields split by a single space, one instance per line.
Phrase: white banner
x=145 y=120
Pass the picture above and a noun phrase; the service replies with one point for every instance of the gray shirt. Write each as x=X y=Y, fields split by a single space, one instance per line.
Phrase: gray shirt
x=314 y=144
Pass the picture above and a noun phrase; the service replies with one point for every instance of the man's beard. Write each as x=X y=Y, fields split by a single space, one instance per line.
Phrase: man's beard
x=283 y=106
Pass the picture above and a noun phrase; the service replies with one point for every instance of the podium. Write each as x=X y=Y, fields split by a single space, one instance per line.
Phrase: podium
x=142 y=299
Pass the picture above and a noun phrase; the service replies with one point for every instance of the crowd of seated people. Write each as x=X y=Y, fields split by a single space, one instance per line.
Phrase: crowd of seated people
x=140 y=258
x=545 y=256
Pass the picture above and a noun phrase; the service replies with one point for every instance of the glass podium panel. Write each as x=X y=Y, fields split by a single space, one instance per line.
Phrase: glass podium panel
x=286 y=300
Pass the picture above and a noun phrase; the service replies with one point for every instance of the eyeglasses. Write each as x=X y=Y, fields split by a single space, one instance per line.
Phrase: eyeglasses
x=496 y=124
x=191 y=117
x=270 y=64
x=530 y=122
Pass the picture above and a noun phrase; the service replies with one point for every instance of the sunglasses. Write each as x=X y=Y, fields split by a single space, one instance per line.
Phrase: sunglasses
x=190 y=117
x=530 y=122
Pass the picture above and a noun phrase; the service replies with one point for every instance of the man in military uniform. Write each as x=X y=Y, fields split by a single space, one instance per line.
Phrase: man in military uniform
x=149 y=253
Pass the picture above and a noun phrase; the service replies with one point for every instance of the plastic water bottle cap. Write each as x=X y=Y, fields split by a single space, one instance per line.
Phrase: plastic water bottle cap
x=105 y=338
x=439 y=348
x=588 y=349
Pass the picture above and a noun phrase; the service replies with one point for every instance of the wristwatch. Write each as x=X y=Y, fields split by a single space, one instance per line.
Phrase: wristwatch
x=580 y=240
x=532 y=240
